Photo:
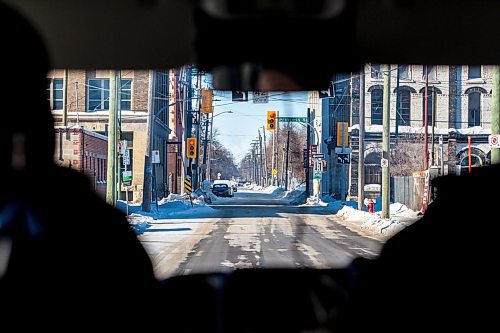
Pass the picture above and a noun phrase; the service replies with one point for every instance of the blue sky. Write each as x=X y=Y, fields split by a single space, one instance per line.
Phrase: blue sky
x=238 y=129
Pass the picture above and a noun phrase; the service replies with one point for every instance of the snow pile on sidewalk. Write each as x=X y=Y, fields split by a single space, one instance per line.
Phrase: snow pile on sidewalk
x=175 y=206
x=401 y=217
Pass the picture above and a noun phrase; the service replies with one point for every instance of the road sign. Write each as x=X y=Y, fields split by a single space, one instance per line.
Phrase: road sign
x=292 y=119
x=187 y=185
x=127 y=178
x=275 y=172
x=240 y=96
x=494 y=141
x=313 y=149
x=342 y=134
x=384 y=163
x=126 y=157
x=318 y=166
x=343 y=159
x=345 y=150
x=206 y=101
x=260 y=97
x=156 y=157
x=122 y=146
x=320 y=156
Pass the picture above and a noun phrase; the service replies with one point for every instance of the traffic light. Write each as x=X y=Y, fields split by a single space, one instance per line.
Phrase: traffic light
x=191 y=148
x=271 y=120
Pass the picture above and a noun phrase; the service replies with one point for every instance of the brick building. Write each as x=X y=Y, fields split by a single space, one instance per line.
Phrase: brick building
x=459 y=97
x=83 y=95
x=84 y=151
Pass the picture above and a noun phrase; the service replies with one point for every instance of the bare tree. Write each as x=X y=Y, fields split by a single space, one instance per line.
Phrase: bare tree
x=407 y=156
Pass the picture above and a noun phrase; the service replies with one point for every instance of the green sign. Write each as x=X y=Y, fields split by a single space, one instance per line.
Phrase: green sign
x=318 y=175
x=127 y=178
x=292 y=119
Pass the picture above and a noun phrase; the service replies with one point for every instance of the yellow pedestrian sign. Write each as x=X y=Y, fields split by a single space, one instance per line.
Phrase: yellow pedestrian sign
x=275 y=172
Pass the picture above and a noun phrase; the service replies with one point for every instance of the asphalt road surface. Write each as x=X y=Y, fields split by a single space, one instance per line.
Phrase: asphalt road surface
x=257 y=230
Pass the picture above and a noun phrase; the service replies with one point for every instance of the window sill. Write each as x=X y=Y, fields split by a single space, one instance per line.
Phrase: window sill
x=431 y=81
x=476 y=81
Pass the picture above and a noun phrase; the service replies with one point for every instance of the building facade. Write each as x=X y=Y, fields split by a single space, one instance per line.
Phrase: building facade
x=81 y=98
x=458 y=103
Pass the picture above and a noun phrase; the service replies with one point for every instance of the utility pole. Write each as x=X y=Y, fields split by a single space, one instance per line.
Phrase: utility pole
x=282 y=178
x=433 y=121
x=205 y=146
x=147 y=183
x=265 y=156
x=287 y=154
x=386 y=136
x=361 y=158
x=398 y=103
x=65 y=103
x=308 y=144
x=495 y=113
x=426 y=111
x=261 y=161
x=112 y=126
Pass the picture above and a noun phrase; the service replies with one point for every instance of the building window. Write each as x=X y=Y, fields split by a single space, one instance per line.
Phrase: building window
x=126 y=94
x=405 y=107
x=404 y=72
x=474 y=109
x=432 y=93
x=377 y=106
x=55 y=93
x=375 y=71
x=432 y=70
x=474 y=72
x=98 y=95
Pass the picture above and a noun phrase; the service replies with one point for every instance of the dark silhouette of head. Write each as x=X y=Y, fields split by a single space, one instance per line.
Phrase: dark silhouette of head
x=27 y=134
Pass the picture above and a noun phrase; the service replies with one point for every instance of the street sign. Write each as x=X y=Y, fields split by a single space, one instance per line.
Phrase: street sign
x=345 y=150
x=384 y=163
x=156 y=157
x=127 y=178
x=275 y=172
x=260 y=97
x=313 y=149
x=122 y=146
x=343 y=159
x=320 y=156
x=494 y=141
x=318 y=166
x=126 y=157
x=329 y=92
x=240 y=96
x=292 y=119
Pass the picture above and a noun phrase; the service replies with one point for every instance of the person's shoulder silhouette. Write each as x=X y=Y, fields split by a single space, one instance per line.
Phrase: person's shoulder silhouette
x=65 y=255
x=439 y=273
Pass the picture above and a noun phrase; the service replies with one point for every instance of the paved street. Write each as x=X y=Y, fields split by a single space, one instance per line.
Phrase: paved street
x=253 y=230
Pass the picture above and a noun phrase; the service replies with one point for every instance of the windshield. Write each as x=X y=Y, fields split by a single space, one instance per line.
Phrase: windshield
x=310 y=167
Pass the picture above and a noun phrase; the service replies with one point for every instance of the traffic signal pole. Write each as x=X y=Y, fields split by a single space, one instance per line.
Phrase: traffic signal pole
x=112 y=126
x=386 y=135
x=308 y=144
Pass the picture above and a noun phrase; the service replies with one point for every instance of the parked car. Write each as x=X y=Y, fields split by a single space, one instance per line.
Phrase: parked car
x=222 y=190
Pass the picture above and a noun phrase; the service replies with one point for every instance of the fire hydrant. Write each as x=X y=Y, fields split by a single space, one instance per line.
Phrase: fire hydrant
x=370 y=205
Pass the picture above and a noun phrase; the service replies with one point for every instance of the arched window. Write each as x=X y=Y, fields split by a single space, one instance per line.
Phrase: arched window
x=431 y=103
x=377 y=106
x=474 y=109
x=373 y=170
x=404 y=107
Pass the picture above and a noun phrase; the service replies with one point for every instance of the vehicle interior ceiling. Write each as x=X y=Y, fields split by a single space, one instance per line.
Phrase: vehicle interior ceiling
x=237 y=46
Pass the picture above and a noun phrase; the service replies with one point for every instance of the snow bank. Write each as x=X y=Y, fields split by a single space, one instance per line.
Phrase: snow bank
x=400 y=217
x=175 y=206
